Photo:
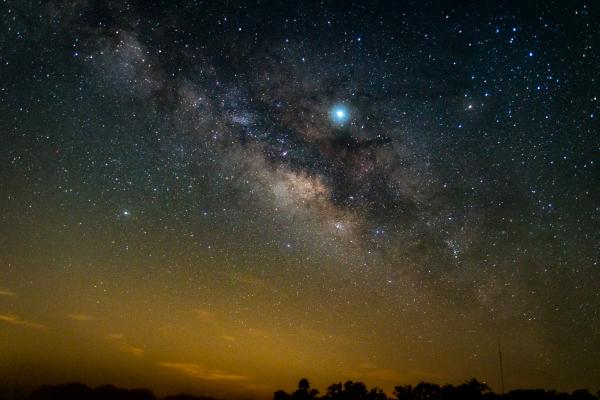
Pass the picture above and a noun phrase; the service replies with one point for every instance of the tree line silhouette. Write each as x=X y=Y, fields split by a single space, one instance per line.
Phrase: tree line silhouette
x=80 y=391
x=470 y=390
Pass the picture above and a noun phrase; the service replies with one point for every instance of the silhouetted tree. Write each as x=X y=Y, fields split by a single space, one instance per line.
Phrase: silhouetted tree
x=68 y=391
x=449 y=392
x=404 y=392
x=475 y=390
x=535 y=394
x=281 y=395
x=377 y=394
x=582 y=394
x=304 y=391
x=334 y=391
x=427 y=391
x=472 y=390
x=353 y=391
x=114 y=393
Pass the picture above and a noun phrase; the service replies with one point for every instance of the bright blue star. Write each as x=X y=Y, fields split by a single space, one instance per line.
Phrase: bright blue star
x=340 y=114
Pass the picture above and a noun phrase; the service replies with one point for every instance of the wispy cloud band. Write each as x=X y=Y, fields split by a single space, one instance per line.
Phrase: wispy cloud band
x=8 y=293
x=201 y=372
x=15 y=320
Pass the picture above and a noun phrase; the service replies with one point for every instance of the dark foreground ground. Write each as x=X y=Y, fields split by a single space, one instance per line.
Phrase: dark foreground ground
x=471 y=390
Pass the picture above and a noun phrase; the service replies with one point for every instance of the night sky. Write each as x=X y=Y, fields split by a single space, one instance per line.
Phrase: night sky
x=224 y=197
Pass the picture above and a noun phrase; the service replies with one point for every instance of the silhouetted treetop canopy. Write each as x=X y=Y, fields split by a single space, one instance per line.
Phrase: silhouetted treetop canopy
x=470 y=390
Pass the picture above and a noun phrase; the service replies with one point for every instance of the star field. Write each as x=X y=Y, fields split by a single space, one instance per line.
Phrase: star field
x=224 y=197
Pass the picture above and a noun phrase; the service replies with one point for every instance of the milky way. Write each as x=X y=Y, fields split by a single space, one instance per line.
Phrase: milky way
x=379 y=192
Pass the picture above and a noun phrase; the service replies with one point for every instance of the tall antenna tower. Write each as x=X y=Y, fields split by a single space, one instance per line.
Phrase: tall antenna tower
x=501 y=368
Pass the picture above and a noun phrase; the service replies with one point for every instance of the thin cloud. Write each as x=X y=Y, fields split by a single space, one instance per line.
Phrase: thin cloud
x=14 y=320
x=81 y=317
x=135 y=351
x=124 y=346
x=9 y=293
x=115 y=336
x=200 y=372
